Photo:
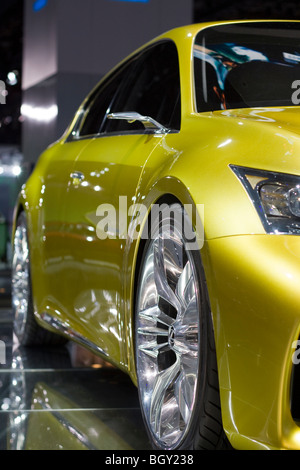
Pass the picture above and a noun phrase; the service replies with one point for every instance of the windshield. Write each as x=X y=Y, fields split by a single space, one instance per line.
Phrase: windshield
x=247 y=65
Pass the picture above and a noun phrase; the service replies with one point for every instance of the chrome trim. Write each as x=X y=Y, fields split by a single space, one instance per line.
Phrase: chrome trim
x=71 y=334
x=147 y=121
x=114 y=134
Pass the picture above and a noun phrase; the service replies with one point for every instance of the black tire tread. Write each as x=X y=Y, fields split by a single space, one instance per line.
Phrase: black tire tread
x=211 y=433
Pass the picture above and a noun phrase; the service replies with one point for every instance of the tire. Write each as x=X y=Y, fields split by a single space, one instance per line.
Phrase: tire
x=174 y=342
x=25 y=327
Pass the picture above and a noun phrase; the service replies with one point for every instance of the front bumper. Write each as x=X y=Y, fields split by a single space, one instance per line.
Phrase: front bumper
x=254 y=288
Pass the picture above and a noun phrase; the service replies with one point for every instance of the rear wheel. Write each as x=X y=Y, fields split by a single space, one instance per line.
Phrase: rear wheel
x=25 y=326
x=175 y=353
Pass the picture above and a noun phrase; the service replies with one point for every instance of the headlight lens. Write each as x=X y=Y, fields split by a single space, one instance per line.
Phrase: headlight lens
x=276 y=197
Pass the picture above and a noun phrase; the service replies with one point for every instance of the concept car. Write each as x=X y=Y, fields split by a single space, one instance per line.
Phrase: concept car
x=162 y=231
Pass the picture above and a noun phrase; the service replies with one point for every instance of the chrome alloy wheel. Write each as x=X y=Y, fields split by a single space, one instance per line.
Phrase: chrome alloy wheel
x=20 y=278
x=168 y=338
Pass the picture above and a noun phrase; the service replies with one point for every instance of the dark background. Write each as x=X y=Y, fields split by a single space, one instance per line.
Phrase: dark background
x=11 y=41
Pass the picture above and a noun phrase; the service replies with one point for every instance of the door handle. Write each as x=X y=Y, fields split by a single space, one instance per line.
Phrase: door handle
x=77 y=177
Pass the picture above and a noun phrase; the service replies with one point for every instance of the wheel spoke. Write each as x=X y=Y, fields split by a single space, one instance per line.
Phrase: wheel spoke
x=187 y=340
x=182 y=400
x=152 y=331
x=163 y=288
x=154 y=314
x=152 y=349
x=163 y=382
x=173 y=260
x=185 y=288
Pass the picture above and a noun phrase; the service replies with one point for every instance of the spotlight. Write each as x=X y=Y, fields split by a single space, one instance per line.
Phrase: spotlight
x=16 y=170
x=12 y=78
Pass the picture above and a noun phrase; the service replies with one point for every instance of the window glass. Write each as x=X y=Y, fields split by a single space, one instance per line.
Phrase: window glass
x=99 y=103
x=153 y=89
x=247 y=65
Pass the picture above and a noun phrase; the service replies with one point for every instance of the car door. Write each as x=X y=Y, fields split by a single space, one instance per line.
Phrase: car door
x=52 y=206
x=104 y=185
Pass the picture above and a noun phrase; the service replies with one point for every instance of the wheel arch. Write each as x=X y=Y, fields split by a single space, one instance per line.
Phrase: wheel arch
x=159 y=194
x=19 y=208
x=169 y=199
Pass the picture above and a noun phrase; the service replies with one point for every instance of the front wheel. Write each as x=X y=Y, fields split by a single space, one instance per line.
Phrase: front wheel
x=175 y=353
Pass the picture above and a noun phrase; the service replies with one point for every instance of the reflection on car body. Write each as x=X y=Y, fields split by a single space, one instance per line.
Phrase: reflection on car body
x=202 y=116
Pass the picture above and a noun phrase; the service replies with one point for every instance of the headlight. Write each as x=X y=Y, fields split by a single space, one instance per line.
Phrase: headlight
x=276 y=197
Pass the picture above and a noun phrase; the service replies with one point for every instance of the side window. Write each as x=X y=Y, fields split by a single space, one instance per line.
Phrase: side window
x=153 y=90
x=99 y=104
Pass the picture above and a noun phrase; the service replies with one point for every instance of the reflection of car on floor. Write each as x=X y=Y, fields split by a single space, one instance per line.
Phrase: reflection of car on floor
x=3 y=237
x=162 y=232
x=74 y=429
x=51 y=405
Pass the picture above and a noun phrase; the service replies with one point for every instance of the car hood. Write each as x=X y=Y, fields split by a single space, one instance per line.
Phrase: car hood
x=283 y=118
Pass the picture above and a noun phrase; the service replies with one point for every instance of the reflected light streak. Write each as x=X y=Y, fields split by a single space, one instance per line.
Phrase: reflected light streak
x=39 y=114
x=226 y=142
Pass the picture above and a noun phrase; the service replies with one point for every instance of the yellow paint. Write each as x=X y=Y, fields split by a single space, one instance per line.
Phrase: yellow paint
x=253 y=278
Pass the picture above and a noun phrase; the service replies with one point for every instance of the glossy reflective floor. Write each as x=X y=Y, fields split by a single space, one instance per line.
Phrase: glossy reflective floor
x=63 y=398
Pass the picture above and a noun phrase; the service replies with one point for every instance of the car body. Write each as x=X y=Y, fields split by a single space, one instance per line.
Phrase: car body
x=234 y=165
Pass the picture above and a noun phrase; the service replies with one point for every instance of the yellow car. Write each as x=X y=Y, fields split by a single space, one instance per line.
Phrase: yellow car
x=162 y=232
